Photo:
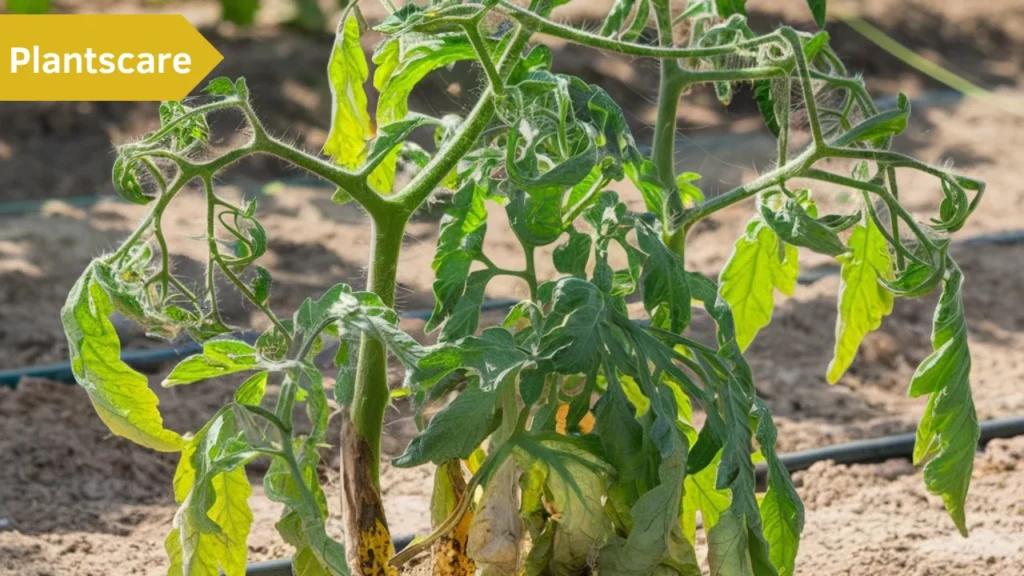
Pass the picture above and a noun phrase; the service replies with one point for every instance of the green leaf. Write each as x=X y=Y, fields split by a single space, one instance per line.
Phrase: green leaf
x=863 y=299
x=459 y=243
x=571 y=337
x=644 y=175
x=252 y=390
x=241 y=12
x=121 y=395
x=313 y=313
x=126 y=182
x=701 y=494
x=656 y=541
x=455 y=431
x=782 y=513
x=727 y=547
x=566 y=174
x=302 y=521
x=639 y=24
x=622 y=438
x=219 y=357
x=220 y=87
x=795 y=226
x=736 y=544
x=347 y=361
x=764 y=95
x=727 y=8
x=365 y=313
x=536 y=218
x=666 y=291
x=880 y=126
x=465 y=316
x=617 y=16
x=391 y=136
x=572 y=257
x=818 y=9
x=760 y=264
x=691 y=194
x=948 y=434
x=261 y=285
x=493 y=358
x=350 y=123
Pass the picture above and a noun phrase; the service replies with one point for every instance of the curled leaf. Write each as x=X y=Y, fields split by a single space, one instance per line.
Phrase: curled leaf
x=121 y=395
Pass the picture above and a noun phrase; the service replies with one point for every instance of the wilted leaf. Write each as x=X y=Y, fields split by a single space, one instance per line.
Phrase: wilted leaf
x=701 y=494
x=121 y=395
x=666 y=292
x=657 y=538
x=760 y=264
x=350 y=124
x=795 y=226
x=402 y=63
x=947 y=436
x=212 y=523
x=782 y=513
x=863 y=299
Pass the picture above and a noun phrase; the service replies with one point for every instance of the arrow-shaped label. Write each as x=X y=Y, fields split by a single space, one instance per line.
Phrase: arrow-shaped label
x=101 y=57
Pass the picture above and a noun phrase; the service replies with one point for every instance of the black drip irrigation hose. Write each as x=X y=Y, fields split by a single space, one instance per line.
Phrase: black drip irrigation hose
x=861 y=452
x=888 y=447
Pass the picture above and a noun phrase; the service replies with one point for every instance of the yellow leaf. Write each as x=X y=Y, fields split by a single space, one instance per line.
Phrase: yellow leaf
x=760 y=264
x=863 y=301
x=350 y=125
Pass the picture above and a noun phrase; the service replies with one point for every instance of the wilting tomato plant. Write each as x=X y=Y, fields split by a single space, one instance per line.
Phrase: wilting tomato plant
x=570 y=446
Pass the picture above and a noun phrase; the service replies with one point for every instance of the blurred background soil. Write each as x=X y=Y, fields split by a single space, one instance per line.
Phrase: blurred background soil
x=75 y=500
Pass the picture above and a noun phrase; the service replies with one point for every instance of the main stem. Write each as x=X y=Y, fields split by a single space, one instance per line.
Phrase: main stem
x=368 y=543
x=371 y=390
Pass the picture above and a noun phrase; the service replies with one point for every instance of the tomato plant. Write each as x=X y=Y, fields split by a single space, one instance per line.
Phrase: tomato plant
x=574 y=416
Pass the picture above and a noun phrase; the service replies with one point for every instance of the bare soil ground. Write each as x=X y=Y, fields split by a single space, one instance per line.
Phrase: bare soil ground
x=75 y=500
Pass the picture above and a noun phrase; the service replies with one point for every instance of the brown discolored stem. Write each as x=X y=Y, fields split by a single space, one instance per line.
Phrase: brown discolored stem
x=368 y=545
x=450 y=557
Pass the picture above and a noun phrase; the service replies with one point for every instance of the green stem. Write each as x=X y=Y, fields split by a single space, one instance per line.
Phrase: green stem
x=792 y=169
x=530 y=274
x=805 y=84
x=371 y=395
x=672 y=84
x=894 y=220
x=546 y=26
x=484 y=56
x=215 y=257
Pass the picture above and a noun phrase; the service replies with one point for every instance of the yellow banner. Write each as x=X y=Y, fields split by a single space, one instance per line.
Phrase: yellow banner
x=62 y=57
